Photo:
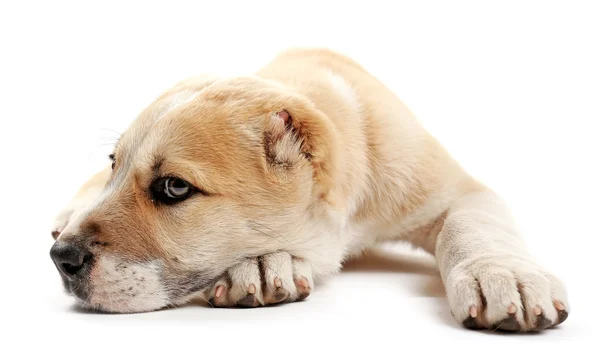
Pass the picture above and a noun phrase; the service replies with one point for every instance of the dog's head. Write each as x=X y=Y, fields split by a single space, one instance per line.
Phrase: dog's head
x=211 y=172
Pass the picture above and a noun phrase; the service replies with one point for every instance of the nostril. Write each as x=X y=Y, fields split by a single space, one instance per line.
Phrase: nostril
x=71 y=269
x=74 y=269
x=69 y=259
x=55 y=234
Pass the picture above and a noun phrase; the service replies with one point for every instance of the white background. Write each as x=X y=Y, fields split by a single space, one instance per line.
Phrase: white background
x=511 y=88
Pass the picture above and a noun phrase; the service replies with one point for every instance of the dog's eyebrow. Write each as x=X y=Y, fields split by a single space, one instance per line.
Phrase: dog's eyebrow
x=158 y=162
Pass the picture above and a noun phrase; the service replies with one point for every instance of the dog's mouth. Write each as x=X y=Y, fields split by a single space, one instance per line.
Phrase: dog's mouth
x=112 y=286
x=79 y=289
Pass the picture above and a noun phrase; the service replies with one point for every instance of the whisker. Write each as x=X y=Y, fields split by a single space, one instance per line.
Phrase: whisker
x=270 y=229
x=267 y=235
x=119 y=134
x=286 y=240
x=207 y=301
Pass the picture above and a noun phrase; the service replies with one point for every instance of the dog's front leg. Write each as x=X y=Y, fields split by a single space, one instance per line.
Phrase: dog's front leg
x=491 y=279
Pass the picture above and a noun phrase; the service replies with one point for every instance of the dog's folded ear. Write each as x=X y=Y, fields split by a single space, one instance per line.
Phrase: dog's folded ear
x=296 y=134
x=283 y=144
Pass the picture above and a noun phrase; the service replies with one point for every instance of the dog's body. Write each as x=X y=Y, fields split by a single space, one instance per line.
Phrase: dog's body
x=295 y=169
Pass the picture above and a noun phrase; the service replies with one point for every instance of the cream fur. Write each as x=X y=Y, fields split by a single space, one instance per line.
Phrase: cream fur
x=351 y=169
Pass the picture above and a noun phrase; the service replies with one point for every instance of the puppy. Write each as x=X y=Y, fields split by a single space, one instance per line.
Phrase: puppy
x=249 y=190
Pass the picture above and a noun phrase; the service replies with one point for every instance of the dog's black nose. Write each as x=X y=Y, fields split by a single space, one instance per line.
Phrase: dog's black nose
x=70 y=259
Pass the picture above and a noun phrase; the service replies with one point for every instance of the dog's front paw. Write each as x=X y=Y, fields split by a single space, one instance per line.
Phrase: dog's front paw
x=85 y=196
x=65 y=216
x=68 y=213
x=505 y=293
x=269 y=279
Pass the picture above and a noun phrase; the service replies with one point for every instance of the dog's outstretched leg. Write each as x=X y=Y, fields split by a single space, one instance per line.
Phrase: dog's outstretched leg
x=491 y=279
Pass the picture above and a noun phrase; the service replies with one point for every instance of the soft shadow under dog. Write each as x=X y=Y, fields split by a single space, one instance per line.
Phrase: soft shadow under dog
x=380 y=260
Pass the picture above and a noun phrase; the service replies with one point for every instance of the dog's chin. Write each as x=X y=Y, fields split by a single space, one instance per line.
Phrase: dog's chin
x=117 y=286
x=128 y=305
x=117 y=300
x=123 y=307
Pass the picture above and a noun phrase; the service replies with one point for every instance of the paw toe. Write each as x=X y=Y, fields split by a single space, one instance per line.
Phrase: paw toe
x=302 y=287
x=278 y=296
x=542 y=323
x=471 y=323
x=270 y=279
x=562 y=316
x=249 y=301
x=509 y=323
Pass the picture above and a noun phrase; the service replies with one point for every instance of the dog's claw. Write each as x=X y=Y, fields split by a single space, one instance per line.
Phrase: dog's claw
x=251 y=289
x=219 y=291
x=302 y=287
x=473 y=311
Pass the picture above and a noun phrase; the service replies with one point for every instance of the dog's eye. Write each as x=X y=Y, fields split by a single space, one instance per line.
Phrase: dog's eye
x=170 y=190
x=176 y=188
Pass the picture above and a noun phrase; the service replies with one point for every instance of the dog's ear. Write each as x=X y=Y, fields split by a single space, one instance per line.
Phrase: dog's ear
x=283 y=145
x=296 y=134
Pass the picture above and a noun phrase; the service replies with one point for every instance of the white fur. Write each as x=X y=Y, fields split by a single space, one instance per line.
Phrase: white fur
x=126 y=287
x=480 y=253
x=343 y=88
